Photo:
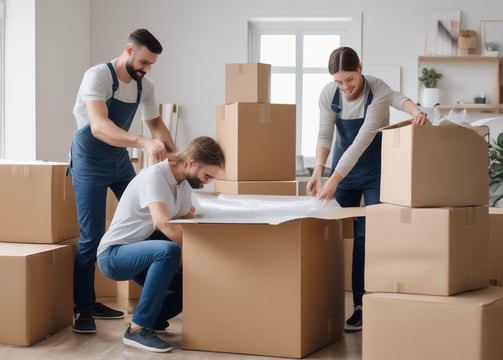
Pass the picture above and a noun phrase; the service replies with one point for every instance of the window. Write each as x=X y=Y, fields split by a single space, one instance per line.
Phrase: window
x=2 y=77
x=298 y=50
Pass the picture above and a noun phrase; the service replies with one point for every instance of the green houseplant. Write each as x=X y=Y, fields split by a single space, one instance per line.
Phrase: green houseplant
x=429 y=77
x=430 y=94
x=496 y=170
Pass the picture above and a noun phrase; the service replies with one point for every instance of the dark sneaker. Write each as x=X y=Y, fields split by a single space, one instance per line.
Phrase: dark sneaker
x=83 y=324
x=161 y=327
x=145 y=340
x=101 y=311
x=354 y=323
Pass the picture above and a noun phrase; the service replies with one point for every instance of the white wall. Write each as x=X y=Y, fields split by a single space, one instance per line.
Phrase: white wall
x=47 y=49
x=199 y=38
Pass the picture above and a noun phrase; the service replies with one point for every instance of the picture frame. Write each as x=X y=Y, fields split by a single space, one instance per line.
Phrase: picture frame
x=491 y=37
x=442 y=32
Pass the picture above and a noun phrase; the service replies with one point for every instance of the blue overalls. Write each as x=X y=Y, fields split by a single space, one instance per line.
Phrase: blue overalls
x=363 y=179
x=95 y=166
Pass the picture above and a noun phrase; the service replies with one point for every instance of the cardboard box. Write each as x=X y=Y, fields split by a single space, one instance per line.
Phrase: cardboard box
x=37 y=291
x=433 y=166
x=496 y=245
x=258 y=141
x=256 y=187
x=248 y=83
x=431 y=251
x=274 y=290
x=38 y=203
x=467 y=326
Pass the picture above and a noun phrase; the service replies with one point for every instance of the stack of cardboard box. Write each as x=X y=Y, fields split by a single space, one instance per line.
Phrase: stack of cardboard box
x=36 y=271
x=258 y=138
x=427 y=250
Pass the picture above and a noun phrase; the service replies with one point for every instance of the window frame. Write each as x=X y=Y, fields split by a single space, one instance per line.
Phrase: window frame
x=349 y=28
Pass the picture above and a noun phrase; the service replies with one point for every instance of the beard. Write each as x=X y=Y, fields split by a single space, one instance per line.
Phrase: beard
x=194 y=182
x=135 y=74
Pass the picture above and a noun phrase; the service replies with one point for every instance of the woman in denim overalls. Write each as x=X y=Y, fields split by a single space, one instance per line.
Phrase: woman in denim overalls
x=354 y=107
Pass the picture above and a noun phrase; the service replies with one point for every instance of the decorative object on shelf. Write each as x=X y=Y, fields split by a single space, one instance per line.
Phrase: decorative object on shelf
x=492 y=48
x=467 y=42
x=442 y=32
x=480 y=99
x=431 y=94
x=491 y=37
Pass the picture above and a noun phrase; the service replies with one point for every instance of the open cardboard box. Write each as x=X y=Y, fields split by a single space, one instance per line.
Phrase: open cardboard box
x=264 y=285
x=430 y=166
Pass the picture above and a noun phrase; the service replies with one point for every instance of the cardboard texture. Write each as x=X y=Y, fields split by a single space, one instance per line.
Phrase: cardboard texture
x=431 y=251
x=38 y=203
x=274 y=290
x=258 y=141
x=256 y=187
x=496 y=245
x=433 y=166
x=248 y=83
x=467 y=326
x=37 y=291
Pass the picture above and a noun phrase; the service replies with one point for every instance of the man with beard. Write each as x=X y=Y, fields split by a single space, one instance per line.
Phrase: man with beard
x=106 y=104
x=141 y=244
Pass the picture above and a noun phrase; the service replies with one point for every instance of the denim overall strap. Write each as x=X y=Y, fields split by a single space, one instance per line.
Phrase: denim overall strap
x=368 y=166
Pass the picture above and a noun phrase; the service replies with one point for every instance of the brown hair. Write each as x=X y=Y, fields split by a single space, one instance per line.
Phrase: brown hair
x=343 y=59
x=143 y=37
x=204 y=150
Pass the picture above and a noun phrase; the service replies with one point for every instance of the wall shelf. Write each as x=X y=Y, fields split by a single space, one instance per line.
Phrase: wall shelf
x=465 y=77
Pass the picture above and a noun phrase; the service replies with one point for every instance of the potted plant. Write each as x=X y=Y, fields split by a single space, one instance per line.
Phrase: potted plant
x=431 y=95
x=496 y=171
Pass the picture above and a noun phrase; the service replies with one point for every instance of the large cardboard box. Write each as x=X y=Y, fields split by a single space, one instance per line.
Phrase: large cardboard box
x=256 y=187
x=38 y=203
x=248 y=83
x=258 y=141
x=467 y=326
x=496 y=245
x=431 y=251
x=274 y=290
x=432 y=166
x=37 y=291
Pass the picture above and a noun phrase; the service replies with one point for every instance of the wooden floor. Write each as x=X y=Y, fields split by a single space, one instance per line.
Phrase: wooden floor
x=107 y=345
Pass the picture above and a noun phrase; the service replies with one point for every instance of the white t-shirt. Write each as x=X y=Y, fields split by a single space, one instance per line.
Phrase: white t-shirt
x=132 y=221
x=376 y=118
x=97 y=85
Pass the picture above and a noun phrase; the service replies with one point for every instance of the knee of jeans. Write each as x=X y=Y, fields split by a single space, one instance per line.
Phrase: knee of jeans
x=172 y=250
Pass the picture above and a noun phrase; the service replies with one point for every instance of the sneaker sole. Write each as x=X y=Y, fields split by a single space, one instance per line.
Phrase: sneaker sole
x=79 y=331
x=137 y=345
x=109 y=317
x=349 y=328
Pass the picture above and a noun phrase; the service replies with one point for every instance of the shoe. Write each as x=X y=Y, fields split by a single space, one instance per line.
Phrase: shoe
x=354 y=323
x=83 y=324
x=101 y=311
x=146 y=340
x=161 y=327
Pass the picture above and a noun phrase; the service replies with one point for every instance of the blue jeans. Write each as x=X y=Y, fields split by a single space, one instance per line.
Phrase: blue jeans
x=90 y=184
x=154 y=265
x=352 y=198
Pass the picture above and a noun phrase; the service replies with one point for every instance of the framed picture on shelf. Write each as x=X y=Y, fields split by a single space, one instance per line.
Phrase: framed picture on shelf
x=491 y=37
x=442 y=32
